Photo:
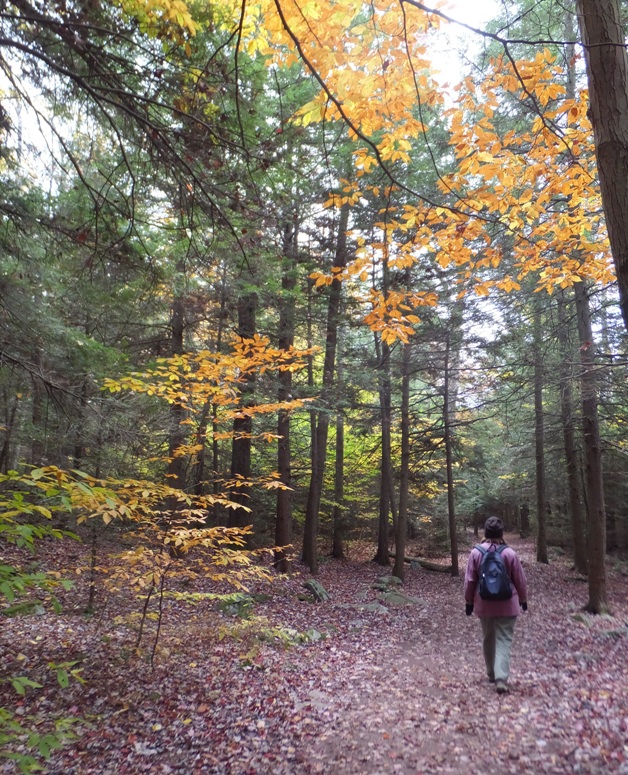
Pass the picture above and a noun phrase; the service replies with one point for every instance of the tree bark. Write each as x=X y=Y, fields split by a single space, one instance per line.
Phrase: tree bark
x=338 y=517
x=37 y=414
x=310 y=529
x=596 y=543
x=606 y=61
x=210 y=409
x=283 y=523
x=569 y=443
x=243 y=426
x=176 y=436
x=566 y=376
x=9 y=425
x=449 y=461
x=310 y=369
x=386 y=498
x=539 y=439
x=338 y=514
x=404 y=476
x=524 y=521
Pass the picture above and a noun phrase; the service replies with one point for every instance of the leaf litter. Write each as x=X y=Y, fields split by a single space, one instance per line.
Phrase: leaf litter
x=341 y=686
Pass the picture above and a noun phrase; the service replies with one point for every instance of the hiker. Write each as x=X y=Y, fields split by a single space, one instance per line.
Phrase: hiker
x=495 y=600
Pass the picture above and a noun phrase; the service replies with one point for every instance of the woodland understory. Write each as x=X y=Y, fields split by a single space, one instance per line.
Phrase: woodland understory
x=378 y=689
x=273 y=280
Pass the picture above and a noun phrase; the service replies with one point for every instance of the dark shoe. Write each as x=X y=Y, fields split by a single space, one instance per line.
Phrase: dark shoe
x=501 y=687
x=491 y=680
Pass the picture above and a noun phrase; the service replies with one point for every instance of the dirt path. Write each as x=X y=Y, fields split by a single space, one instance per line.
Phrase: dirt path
x=397 y=691
x=423 y=704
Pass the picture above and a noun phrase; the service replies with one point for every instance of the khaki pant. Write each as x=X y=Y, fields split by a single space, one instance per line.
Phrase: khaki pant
x=498 y=632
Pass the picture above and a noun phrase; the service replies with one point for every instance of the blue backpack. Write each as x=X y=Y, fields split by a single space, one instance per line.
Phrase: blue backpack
x=494 y=582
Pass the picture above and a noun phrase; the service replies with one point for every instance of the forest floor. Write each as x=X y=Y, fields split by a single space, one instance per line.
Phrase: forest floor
x=397 y=689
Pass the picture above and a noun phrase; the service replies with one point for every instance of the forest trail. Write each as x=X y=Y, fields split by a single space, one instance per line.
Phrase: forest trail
x=423 y=704
x=397 y=691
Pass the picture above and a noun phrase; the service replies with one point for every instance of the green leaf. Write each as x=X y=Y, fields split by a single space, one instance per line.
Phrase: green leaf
x=7 y=591
x=63 y=679
x=20 y=683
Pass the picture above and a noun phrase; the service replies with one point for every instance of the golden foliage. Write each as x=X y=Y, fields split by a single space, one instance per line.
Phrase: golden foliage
x=534 y=188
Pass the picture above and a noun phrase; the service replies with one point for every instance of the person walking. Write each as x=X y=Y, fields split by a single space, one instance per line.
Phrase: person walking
x=498 y=616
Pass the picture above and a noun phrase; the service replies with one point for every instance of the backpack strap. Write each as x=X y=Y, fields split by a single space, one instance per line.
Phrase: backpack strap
x=499 y=548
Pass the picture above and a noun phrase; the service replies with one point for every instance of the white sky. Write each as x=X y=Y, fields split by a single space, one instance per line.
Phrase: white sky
x=473 y=12
x=457 y=40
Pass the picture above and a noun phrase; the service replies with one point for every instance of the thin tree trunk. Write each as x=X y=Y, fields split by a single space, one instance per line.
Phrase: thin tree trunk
x=451 y=504
x=387 y=495
x=524 y=521
x=338 y=517
x=201 y=440
x=596 y=543
x=9 y=426
x=310 y=371
x=539 y=439
x=338 y=514
x=210 y=408
x=283 y=523
x=404 y=474
x=37 y=443
x=176 y=436
x=571 y=457
x=79 y=435
x=578 y=518
x=243 y=426
x=386 y=498
x=310 y=530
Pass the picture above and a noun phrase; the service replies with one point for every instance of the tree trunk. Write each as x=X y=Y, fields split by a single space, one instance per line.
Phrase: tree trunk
x=451 y=504
x=596 y=543
x=524 y=521
x=338 y=518
x=310 y=529
x=176 y=435
x=283 y=523
x=210 y=409
x=386 y=499
x=404 y=477
x=571 y=456
x=243 y=426
x=310 y=370
x=339 y=513
x=539 y=438
x=79 y=433
x=9 y=425
x=606 y=60
x=37 y=415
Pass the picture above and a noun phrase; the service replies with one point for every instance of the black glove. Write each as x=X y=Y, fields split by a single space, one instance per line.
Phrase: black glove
x=524 y=606
x=468 y=609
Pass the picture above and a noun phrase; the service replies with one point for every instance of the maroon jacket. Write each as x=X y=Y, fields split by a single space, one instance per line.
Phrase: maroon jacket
x=517 y=582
